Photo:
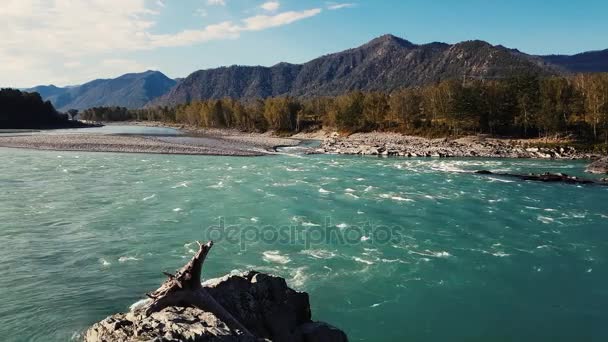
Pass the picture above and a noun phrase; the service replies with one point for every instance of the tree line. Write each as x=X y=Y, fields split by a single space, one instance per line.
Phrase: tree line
x=27 y=110
x=523 y=106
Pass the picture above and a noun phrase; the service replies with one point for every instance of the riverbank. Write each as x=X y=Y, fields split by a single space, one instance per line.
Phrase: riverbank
x=194 y=142
x=232 y=142
x=394 y=144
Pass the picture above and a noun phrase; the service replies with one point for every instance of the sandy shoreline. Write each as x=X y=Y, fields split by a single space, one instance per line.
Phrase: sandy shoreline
x=219 y=143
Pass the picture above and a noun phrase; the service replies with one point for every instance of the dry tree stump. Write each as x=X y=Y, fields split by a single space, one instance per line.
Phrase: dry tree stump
x=184 y=289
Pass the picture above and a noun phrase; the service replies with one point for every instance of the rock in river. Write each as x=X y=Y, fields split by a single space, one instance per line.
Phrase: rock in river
x=263 y=303
x=599 y=166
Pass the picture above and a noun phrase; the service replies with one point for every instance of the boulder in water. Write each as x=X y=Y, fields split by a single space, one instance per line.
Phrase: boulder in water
x=263 y=303
x=245 y=307
x=599 y=166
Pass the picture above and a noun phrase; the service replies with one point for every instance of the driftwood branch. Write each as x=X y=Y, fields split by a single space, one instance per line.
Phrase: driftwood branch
x=547 y=177
x=184 y=289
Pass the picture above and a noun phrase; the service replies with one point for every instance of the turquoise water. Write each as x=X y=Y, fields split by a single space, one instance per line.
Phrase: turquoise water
x=468 y=258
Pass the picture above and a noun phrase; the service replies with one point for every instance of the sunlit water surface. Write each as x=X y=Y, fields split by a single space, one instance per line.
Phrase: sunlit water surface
x=471 y=258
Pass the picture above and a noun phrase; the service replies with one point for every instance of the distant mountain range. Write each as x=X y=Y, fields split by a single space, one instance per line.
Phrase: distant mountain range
x=130 y=90
x=383 y=64
x=593 y=61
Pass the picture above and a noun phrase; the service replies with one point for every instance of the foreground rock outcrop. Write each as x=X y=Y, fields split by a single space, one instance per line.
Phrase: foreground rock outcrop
x=243 y=307
x=599 y=166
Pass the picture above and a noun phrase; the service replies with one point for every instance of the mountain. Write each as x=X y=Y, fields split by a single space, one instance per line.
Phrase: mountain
x=130 y=90
x=383 y=64
x=593 y=61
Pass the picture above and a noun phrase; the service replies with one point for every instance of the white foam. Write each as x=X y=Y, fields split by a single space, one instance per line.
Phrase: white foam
x=276 y=257
x=149 y=197
x=217 y=186
x=365 y=238
x=544 y=219
x=390 y=261
x=177 y=210
x=254 y=219
x=298 y=277
x=323 y=191
x=349 y=190
x=447 y=167
x=127 y=258
x=190 y=245
x=278 y=184
x=501 y=254
x=310 y=224
x=351 y=195
x=493 y=179
x=440 y=254
x=401 y=199
x=181 y=185
x=359 y=212
x=319 y=253
x=369 y=188
x=139 y=304
x=363 y=261
x=104 y=262
x=342 y=225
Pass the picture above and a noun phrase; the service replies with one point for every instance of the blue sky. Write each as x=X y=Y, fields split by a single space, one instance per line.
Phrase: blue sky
x=72 y=41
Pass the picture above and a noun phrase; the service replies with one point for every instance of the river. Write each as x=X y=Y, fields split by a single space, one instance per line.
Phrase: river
x=389 y=249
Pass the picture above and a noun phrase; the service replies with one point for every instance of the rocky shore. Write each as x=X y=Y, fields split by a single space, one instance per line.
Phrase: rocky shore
x=393 y=144
x=263 y=303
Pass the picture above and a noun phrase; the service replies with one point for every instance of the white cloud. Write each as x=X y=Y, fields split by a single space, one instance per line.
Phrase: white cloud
x=160 y=3
x=262 y=22
x=271 y=6
x=216 y=2
x=335 y=6
x=68 y=42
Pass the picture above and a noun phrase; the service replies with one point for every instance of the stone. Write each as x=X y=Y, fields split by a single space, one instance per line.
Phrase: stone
x=264 y=304
x=599 y=166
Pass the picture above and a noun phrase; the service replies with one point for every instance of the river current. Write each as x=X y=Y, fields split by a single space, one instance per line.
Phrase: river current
x=389 y=249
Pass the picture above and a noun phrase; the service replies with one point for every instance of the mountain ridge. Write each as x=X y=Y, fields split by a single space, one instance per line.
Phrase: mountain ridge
x=384 y=63
x=132 y=90
x=589 y=61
